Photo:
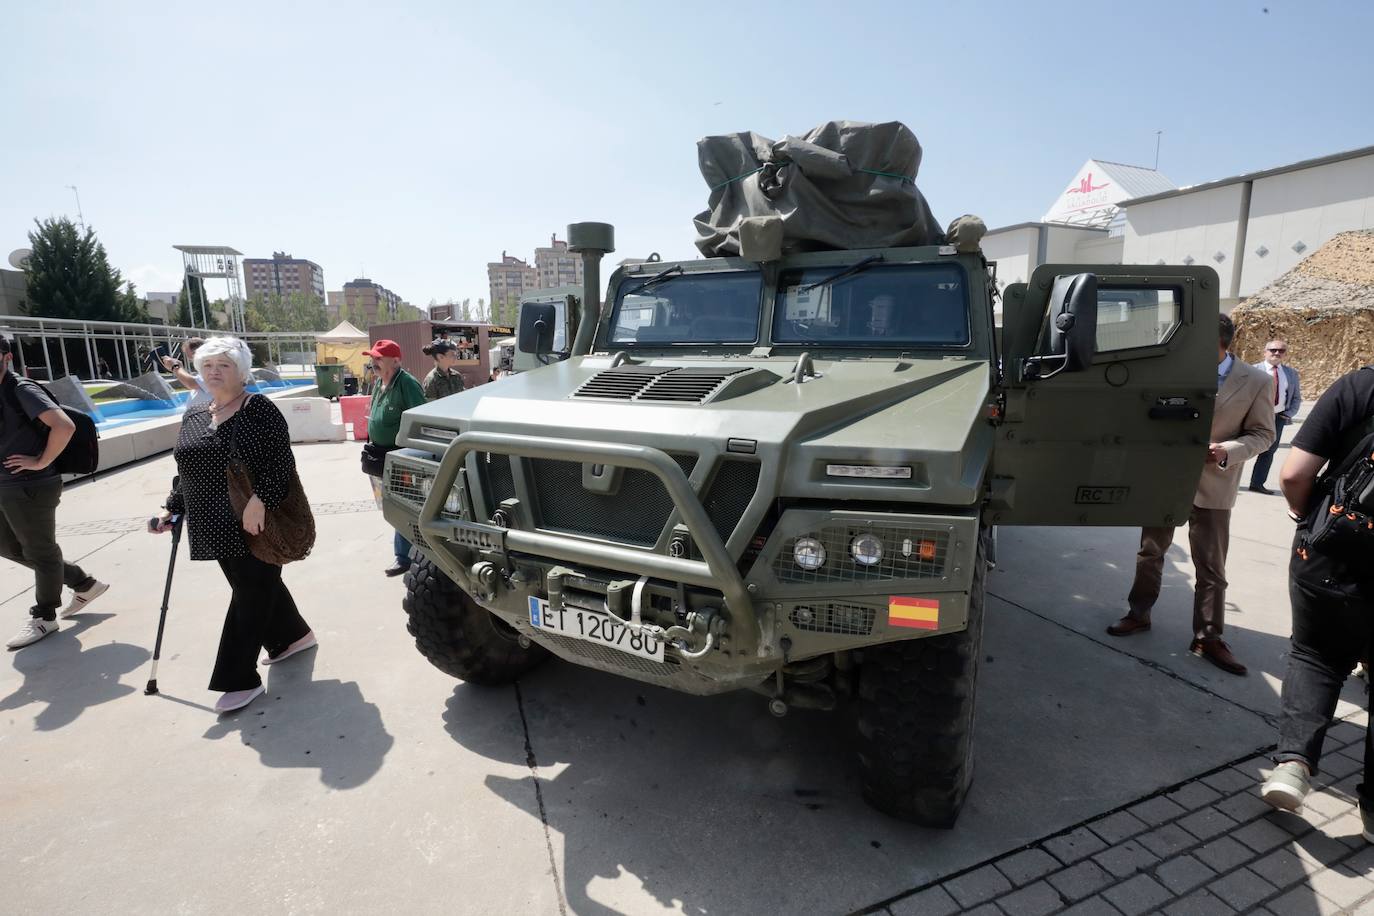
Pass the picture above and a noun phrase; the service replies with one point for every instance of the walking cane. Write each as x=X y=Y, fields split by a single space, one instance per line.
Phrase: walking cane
x=166 y=594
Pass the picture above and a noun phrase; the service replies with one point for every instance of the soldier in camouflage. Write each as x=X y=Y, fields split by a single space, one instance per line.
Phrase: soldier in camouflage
x=444 y=379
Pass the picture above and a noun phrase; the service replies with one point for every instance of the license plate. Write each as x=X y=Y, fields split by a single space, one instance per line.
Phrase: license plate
x=591 y=626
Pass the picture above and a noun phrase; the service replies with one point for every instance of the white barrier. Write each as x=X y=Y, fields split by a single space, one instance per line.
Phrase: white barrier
x=310 y=420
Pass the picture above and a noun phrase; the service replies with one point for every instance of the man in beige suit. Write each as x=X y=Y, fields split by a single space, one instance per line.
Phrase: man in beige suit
x=1242 y=427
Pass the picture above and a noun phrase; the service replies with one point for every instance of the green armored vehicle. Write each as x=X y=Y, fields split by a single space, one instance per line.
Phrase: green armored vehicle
x=783 y=474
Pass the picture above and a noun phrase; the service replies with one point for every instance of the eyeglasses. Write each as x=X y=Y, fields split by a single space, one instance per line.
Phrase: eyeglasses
x=1275 y=349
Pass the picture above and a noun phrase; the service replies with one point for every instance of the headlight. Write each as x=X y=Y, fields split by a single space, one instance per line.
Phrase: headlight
x=866 y=549
x=453 y=505
x=809 y=553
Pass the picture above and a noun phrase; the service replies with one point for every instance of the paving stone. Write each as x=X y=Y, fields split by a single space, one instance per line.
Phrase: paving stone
x=1207 y=823
x=1359 y=717
x=1080 y=881
x=1341 y=886
x=1242 y=888
x=1141 y=894
x=1224 y=854
x=1298 y=824
x=1198 y=904
x=1182 y=874
x=1339 y=766
x=1365 y=909
x=1027 y=865
x=1194 y=795
x=1302 y=901
x=1167 y=840
x=1071 y=847
x=1282 y=868
x=1036 y=899
x=1261 y=835
x=1347 y=829
x=1327 y=805
x=1344 y=733
x=1256 y=767
x=1126 y=859
x=1245 y=805
x=1320 y=849
x=977 y=886
x=933 y=901
x=1117 y=827
x=1228 y=780
x=1362 y=862
x=1156 y=811
x=1093 y=906
x=987 y=909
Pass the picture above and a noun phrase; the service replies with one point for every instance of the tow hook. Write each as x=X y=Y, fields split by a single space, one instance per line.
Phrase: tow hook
x=699 y=626
x=484 y=578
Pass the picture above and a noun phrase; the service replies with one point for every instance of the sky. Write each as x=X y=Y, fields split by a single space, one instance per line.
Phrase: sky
x=413 y=142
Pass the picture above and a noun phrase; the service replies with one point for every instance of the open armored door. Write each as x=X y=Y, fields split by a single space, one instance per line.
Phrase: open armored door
x=1119 y=436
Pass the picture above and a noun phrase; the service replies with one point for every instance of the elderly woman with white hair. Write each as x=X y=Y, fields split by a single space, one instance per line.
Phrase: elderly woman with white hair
x=262 y=613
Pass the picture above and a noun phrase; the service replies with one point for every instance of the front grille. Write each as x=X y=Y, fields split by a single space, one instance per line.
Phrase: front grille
x=497 y=482
x=635 y=514
x=692 y=385
x=729 y=494
x=840 y=566
x=845 y=619
x=611 y=657
x=417 y=537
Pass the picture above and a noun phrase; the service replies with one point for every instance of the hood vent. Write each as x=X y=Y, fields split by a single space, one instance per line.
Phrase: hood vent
x=670 y=384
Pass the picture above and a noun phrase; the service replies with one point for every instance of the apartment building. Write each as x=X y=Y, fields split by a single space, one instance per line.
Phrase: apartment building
x=282 y=275
x=556 y=265
x=509 y=278
x=372 y=302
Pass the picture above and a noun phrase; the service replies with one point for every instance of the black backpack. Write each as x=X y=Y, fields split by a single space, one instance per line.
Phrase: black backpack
x=1341 y=522
x=82 y=454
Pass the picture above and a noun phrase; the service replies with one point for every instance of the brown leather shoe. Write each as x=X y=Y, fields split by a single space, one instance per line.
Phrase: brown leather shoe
x=1218 y=653
x=1128 y=625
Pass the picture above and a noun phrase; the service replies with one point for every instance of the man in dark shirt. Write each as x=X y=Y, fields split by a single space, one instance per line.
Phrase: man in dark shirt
x=33 y=432
x=1332 y=599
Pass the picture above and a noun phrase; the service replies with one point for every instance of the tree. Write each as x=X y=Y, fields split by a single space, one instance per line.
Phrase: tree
x=465 y=310
x=132 y=307
x=190 y=301
x=69 y=275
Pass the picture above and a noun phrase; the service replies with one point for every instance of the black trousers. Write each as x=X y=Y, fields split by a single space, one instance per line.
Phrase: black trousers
x=262 y=615
x=28 y=536
x=1332 y=631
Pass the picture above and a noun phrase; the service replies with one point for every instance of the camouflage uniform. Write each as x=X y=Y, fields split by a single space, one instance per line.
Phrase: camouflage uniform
x=441 y=384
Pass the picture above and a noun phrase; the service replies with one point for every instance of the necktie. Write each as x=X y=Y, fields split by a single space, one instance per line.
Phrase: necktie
x=1276 y=386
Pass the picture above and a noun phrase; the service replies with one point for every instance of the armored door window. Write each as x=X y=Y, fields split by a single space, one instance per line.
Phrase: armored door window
x=1132 y=318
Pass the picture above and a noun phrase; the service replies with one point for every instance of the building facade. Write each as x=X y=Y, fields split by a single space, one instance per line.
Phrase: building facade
x=556 y=265
x=510 y=278
x=282 y=275
x=366 y=301
x=13 y=290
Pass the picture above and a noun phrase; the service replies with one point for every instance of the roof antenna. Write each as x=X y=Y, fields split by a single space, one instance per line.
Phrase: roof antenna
x=1158 y=134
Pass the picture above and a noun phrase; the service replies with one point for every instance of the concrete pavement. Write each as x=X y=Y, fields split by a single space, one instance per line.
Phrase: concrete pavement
x=367 y=780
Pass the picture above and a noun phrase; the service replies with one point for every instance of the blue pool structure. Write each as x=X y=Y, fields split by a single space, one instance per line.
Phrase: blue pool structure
x=113 y=414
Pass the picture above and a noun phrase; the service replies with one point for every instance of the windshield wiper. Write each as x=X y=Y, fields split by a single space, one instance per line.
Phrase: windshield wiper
x=857 y=267
x=654 y=280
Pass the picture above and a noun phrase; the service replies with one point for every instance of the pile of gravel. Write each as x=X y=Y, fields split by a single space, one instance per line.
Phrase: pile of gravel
x=1323 y=307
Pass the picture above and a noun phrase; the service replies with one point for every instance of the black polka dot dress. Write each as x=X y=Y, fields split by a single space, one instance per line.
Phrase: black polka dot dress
x=201 y=490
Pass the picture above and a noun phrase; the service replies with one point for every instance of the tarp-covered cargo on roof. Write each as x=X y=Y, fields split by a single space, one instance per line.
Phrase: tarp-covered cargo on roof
x=845 y=184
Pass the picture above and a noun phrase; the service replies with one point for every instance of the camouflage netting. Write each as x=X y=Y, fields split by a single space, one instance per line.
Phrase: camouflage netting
x=1323 y=307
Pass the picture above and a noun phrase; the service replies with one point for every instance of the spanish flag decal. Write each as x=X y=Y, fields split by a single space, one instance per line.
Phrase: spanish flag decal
x=918 y=613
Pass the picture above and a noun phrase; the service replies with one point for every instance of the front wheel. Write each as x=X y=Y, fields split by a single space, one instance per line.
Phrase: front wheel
x=458 y=635
x=916 y=719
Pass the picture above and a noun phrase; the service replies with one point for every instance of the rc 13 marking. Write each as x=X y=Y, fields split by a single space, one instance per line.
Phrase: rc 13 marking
x=1100 y=496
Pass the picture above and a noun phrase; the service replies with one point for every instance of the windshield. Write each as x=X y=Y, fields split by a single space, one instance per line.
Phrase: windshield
x=906 y=305
x=689 y=308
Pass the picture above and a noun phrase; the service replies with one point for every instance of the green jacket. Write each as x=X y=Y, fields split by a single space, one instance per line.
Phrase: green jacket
x=441 y=384
x=384 y=418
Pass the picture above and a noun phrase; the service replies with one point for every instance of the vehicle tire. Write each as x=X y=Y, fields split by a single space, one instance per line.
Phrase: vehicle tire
x=915 y=715
x=458 y=635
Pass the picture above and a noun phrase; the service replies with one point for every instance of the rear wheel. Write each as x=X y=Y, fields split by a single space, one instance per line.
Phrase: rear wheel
x=458 y=635
x=916 y=719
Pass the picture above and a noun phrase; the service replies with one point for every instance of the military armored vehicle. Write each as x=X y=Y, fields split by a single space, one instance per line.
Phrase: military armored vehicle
x=783 y=474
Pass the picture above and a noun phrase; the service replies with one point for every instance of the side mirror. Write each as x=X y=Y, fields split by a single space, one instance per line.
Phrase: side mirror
x=1071 y=328
x=535 y=334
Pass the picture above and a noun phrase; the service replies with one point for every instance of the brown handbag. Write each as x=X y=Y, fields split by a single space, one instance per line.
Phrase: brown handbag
x=288 y=531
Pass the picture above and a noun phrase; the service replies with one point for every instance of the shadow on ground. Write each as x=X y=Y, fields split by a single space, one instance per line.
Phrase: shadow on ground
x=304 y=723
x=66 y=678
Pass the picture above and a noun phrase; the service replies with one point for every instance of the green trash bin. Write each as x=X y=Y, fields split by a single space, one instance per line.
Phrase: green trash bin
x=330 y=379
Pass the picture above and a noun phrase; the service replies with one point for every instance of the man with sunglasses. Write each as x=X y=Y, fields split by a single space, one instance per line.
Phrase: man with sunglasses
x=1287 y=398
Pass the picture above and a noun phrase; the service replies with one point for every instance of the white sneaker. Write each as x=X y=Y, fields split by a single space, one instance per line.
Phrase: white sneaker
x=81 y=599
x=1287 y=786
x=31 y=632
x=307 y=641
x=237 y=699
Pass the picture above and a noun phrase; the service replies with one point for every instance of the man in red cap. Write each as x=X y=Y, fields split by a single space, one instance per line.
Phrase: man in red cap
x=398 y=392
